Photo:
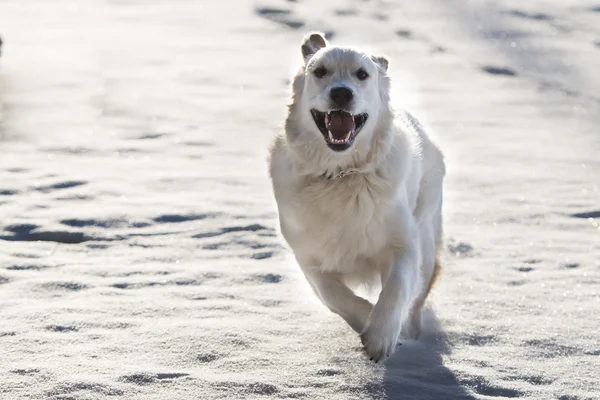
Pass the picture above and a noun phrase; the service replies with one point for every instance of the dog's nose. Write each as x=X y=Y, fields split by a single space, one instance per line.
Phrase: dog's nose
x=341 y=96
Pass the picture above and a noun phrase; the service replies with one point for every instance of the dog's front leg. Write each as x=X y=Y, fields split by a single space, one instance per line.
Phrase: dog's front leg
x=397 y=295
x=338 y=297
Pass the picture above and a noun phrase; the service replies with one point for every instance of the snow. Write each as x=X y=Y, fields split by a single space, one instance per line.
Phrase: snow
x=139 y=253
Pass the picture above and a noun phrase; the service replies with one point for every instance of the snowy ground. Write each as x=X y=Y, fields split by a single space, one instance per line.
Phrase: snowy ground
x=139 y=254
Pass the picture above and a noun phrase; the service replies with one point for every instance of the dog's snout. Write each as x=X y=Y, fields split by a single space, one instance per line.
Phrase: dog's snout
x=341 y=96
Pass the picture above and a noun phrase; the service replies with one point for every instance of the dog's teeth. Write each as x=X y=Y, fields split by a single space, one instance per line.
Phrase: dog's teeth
x=339 y=141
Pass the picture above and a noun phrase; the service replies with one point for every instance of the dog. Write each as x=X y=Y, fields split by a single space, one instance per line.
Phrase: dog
x=358 y=188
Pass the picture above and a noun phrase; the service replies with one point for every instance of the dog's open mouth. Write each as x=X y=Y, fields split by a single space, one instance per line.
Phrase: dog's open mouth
x=339 y=127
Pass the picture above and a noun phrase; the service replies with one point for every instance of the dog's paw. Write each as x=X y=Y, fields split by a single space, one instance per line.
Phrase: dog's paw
x=380 y=341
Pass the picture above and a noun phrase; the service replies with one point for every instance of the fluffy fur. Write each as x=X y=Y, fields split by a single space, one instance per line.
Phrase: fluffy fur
x=380 y=219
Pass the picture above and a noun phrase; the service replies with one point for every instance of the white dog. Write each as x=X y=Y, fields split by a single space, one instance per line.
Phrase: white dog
x=359 y=193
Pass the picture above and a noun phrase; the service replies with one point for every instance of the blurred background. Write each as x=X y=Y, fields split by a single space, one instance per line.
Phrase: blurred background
x=139 y=246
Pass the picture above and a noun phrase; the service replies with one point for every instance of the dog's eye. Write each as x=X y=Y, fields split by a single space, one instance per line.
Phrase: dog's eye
x=362 y=74
x=320 y=72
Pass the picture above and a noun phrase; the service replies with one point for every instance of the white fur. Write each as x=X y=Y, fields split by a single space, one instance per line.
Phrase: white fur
x=383 y=223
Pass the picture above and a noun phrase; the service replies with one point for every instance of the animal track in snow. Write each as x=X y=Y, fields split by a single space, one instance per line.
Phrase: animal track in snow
x=253 y=388
x=532 y=16
x=546 y=348
x=133 y=273
x=244 y=243
x=17 y=170
x=329 y=372
x=29 y=267
x=137 y=285
x=177 y=282
x=460 y=249
x=29 y=233
x=150 y=136
x=262 y=255
x=229 y=229
x=207 y=357
x=271 y=303
x=532 y=261
x=280 y=16
x=64 y=286
x=106 y=223
x=588 y=214
x=404 y=33
x=407 y=34
x=268 y=278
x=82 y=390
x=524 y=269
x=345 y=13
x=495 y=70
x=146 y=378
x=533 y=379
x=25 y=371
x=198 y=143
x=62 y=328
x=69 y=150
x=480 y=340
x=176 y=218
x=59 y=186
x=569 y=266
x=516 y=283
x=74 y=197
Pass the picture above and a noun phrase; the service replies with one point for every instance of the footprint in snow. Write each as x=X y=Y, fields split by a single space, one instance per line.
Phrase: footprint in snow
x=460 y=249
x=587 y=214
x=62 y=328
x=280 y=16
x=532 y=16
x=59 y=186
x=146 y=378
x=501 y=71
x=524 y=269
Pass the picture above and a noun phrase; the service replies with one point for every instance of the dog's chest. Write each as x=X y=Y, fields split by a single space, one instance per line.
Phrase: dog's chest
x=340 y=222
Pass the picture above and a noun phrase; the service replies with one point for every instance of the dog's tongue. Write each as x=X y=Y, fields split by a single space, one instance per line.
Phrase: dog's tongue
x=340 y=123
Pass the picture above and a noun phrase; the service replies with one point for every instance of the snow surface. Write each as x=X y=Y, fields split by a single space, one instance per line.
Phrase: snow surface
x=139 y=253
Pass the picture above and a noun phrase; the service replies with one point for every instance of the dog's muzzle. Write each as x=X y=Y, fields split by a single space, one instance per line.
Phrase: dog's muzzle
x=339 y=128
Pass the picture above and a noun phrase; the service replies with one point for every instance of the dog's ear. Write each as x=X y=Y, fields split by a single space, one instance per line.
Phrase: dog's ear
x=381 y=61
x=312 y=43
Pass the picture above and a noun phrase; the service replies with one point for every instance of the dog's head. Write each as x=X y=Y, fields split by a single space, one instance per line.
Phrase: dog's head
x=339 y=93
